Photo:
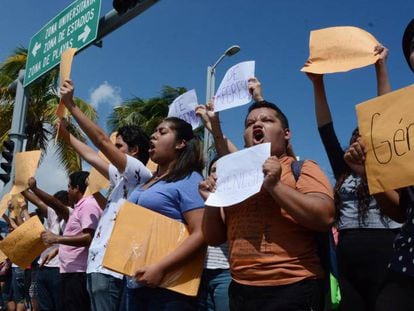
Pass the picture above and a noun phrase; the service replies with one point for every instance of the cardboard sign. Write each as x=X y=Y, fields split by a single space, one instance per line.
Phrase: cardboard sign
x=24 y=244
x=65 y=69
x=142 y=237
x=386 y=124
x=26 y=166
x=340 y=49
x=233 y=90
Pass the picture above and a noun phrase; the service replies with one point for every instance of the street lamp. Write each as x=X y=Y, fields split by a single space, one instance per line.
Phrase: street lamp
x=209 y=95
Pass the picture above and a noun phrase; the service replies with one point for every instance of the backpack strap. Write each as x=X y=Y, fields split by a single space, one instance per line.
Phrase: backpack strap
x=296 y=168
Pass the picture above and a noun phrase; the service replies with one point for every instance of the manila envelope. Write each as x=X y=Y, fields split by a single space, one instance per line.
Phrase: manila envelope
x=26 y=165
x=65 y=68
x=142 y=237
x=386 y=124
x=340 y=49
x=24 y=244
x=96 y=182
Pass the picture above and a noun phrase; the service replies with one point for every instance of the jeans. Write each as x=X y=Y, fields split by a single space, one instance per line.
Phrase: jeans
x=214 y=287
x=48 y=285
x=156 y=299
x=18 y=286
x=73 y=293
x=105 y=291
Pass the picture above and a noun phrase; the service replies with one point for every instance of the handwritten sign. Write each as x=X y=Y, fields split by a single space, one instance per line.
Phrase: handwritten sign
x=386 y=124
x=239 y=175
x=340 y=49
x=24 y=244
x=183 y=107
x=142 y=237
x=233 y=90
x=26 y=165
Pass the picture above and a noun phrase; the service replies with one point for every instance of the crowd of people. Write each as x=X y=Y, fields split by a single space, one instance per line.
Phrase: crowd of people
x=263 y=253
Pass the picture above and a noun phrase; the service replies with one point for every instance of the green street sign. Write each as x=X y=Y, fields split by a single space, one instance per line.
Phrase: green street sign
x=76 y=26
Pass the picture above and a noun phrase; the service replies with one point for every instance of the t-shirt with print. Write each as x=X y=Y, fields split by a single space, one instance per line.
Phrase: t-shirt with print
x=123 y=183
x=171 y=199
x=267 y=247
x=85 y=215
x=56 y=226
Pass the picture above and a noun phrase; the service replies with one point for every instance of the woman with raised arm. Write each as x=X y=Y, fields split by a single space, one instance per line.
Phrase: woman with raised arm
x=365 y=234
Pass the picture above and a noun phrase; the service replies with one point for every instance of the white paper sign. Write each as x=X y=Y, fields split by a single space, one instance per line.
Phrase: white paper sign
x=233 y=90
x=239 y=175
x=183 y=107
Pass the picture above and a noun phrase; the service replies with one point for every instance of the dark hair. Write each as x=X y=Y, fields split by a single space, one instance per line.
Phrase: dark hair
x=265 y=104
x=190 y=159
x=406 y=42
x=134 y=136
x=214 y=160
x=78 y=179
x=62 y=196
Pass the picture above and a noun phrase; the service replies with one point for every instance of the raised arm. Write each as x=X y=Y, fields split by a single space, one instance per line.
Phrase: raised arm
x=34 y=199
x=61 y=209
x=211 y=121
x=383 y=83
x=322 y=111
x=85 y=151
x=92 y=130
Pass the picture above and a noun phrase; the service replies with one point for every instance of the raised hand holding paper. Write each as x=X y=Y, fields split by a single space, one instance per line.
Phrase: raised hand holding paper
x=340 y=49
x=183 y=107
x=239 y=175
x=233 y=90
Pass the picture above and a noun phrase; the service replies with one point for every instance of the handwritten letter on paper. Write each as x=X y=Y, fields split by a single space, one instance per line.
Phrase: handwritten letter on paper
x=339 y=49
x=183 y=107
x=233 y=90
x=239 y=175
x=386 y=124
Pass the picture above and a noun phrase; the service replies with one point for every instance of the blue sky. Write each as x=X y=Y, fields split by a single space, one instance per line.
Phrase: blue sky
x=174 y=41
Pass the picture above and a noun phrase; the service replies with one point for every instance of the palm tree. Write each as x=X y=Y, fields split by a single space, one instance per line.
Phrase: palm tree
x=41 y=118
x=148 y=113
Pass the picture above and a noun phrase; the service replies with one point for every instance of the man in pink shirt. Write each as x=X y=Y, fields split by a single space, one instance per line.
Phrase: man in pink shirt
x=74 y=243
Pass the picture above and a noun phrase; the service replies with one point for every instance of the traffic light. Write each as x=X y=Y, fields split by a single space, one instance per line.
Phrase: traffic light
x=121 y=6
x=7 y=154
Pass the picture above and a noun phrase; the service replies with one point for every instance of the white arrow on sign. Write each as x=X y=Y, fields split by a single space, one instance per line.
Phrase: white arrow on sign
x=36 y=47
x=84 y=34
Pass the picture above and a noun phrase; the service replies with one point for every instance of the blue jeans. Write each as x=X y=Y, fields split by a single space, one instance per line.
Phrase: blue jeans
x=156 y=299
x=105 y=291
x=48 y=289
x=214 y=290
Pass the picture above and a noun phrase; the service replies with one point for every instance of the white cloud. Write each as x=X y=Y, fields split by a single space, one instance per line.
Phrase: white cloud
x=105 y=94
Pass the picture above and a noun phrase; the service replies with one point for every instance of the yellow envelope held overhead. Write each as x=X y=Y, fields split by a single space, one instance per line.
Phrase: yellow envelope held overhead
x=340 y=49
x=386 y=124
x=24 y=244
x=26 y=165
x=142 y=237
x=65 y=69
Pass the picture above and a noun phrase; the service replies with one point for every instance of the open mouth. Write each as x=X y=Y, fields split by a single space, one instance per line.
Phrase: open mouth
x=151 y=146
x=258 y=136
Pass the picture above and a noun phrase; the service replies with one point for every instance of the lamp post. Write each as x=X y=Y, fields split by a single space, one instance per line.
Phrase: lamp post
x=209 y=95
